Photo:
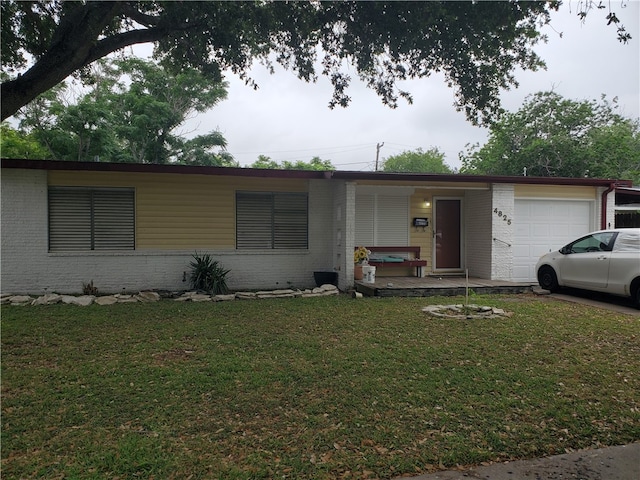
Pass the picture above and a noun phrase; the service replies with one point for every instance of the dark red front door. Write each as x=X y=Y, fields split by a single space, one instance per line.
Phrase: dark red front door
x=447 y=234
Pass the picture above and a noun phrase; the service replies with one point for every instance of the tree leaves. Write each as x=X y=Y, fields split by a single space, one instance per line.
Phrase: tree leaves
x=552 y=136
x=431 y=161
x=129 y=114
x=477 y=46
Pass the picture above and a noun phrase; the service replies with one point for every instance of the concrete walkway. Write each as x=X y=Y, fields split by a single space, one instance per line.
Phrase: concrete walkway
x=612 y=463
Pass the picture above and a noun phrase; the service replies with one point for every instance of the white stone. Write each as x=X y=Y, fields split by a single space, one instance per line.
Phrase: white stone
x=200 y=297
x=272 y=295
x=20 y=300
x=48 y=299
x=106 y=300
x=128 y=300
x=245 y=295
x=332 y=292
x=223 y=298
x=148 y=297
x=83 y=300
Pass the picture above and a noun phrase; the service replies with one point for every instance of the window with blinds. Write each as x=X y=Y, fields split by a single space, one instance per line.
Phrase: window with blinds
x=382 y=220
x=271 y=220
x=91 y=219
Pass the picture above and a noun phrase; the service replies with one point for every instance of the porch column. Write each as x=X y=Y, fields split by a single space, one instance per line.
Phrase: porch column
x=344 y=207
x=502 y=230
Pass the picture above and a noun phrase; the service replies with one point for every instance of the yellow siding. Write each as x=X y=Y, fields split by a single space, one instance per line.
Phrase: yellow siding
x=417 y=236
x=177 y=212
x=555 y=191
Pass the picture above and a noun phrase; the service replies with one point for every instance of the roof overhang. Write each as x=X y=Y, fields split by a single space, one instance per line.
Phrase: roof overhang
x=627 y=196
x=414 y=179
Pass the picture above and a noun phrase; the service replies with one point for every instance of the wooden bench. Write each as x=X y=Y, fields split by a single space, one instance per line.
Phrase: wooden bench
x=382 y=257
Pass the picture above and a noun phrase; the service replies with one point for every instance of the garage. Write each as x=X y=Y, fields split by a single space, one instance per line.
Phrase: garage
x=545 y=225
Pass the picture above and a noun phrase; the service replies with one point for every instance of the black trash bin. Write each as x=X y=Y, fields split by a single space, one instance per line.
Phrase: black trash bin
x=322 y=278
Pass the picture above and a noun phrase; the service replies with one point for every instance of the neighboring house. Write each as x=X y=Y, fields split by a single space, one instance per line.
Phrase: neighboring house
x=129 y=227
x=628 y=207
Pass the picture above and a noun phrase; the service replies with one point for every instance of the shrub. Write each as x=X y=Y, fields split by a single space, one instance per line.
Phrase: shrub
x=208 y=275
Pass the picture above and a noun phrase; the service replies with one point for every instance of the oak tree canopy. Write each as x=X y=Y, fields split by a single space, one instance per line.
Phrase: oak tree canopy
x=476 y=45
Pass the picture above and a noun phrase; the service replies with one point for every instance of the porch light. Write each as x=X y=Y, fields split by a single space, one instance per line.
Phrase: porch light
x=427 y=203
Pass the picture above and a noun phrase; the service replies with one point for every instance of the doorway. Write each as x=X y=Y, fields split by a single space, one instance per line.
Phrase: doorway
x=447 y=233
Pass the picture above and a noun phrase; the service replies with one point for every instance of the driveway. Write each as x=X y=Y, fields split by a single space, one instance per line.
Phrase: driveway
x=594 y=299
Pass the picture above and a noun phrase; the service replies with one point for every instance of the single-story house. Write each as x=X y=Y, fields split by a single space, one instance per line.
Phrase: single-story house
x=130 y=227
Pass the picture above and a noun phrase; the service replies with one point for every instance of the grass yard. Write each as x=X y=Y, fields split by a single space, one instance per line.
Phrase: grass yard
x=309 y=388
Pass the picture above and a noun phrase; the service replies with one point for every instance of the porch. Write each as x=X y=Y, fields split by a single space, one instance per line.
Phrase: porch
x=436 y=285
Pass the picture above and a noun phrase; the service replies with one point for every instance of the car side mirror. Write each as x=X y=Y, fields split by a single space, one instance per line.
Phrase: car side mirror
x=565 y=250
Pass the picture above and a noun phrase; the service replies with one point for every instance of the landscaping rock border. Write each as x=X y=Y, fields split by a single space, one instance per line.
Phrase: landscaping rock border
x=151 y=296
x=465 y=311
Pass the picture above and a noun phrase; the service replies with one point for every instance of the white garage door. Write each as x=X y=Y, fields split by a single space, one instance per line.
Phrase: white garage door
x=545 y=225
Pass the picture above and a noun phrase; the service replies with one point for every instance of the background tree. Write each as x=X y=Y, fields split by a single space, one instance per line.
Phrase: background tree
x=431 y=161
x=551 y=136
x=14 y=144
x=477 y=45
x=130 y=114
x=265 y=162
x=316 y=163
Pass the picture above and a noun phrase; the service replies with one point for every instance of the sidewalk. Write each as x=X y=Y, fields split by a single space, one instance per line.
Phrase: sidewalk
x=612 y=463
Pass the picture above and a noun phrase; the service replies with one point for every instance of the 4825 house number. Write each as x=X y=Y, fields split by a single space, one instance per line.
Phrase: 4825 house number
x=500 y=215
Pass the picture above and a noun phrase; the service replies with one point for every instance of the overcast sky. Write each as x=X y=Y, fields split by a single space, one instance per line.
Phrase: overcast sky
x=288 y=119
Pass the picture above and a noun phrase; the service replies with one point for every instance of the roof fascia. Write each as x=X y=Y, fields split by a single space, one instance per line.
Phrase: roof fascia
x=459 y=178
x=161 y=168
x=414 y=178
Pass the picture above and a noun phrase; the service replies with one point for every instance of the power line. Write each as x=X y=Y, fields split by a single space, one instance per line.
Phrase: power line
x=262 y=152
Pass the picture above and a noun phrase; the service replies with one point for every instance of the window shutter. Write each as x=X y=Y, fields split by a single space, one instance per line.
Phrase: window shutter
x=253 y=220
x=69 y=220
x=382 y=220
x=91 y=219
x=290 y=220
x=365 y=211
x=392 y=220
x=113 y=220
x=267 y=220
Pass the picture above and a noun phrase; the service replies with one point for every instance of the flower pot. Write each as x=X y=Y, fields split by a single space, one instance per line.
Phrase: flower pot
x=357 y=272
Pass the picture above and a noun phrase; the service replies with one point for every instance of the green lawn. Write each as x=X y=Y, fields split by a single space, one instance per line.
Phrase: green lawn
x=327 y=387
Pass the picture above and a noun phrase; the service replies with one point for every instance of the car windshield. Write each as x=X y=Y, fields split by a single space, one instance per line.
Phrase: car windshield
x=627 y=242
x=597 y=242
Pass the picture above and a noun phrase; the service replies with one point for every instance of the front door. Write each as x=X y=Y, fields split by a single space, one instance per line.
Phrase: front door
x=447 y=234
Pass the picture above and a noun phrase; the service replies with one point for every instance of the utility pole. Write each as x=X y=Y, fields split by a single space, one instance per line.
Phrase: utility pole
x=378 y=147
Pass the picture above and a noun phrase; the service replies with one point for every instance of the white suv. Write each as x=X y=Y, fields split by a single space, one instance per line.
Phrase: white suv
x=604 y=261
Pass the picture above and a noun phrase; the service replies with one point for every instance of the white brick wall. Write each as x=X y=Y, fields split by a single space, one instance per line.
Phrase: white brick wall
x=344 y=197
x=478 y=223
x=502 y=231
x=24 y=223
x=28 y=267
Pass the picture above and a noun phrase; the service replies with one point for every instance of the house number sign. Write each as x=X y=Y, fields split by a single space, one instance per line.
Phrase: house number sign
x=500 y=215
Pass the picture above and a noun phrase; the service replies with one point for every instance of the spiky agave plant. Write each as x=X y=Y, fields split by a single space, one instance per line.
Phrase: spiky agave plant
x=207 y=274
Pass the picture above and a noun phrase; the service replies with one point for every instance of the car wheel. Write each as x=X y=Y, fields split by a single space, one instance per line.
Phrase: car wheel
x=547 y=278
x=635 y=294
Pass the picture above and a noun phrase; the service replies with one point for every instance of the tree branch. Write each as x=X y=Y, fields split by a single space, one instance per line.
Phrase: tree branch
x=139 y=17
